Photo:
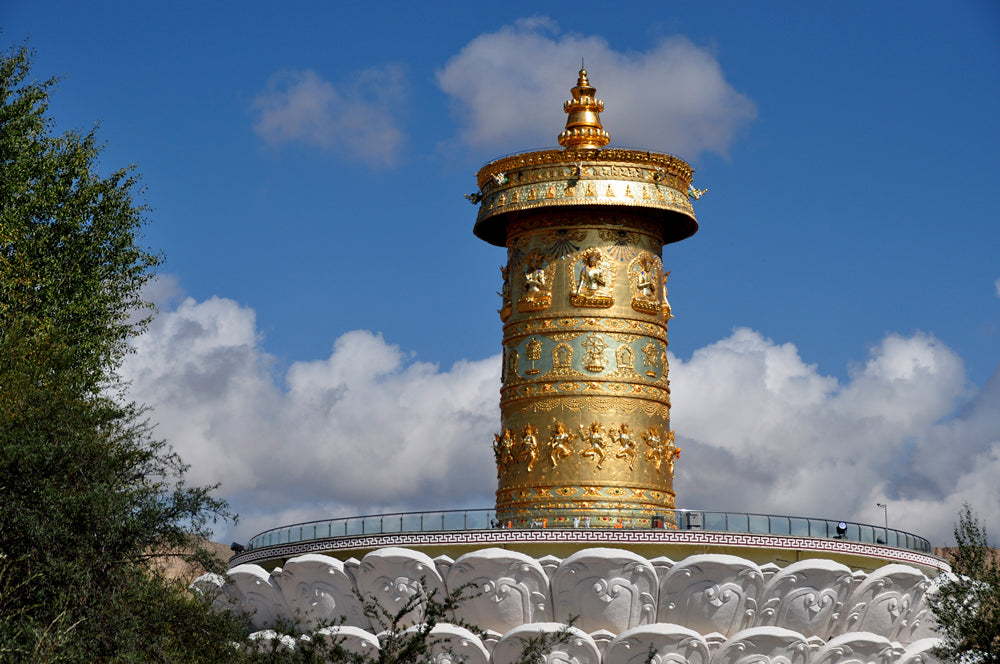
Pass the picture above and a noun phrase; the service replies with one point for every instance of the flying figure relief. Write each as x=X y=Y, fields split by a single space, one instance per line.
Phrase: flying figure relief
x=594 y=437
x=559 y=447
x=628 y=449
x=529 y=445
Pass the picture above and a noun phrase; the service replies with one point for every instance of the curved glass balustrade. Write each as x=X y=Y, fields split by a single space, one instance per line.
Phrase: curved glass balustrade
x=485 y=519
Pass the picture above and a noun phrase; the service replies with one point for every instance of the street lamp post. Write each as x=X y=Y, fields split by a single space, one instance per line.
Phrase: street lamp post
x=885 y=513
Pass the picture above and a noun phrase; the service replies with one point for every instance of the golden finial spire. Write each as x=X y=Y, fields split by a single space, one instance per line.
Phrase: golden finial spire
x=583 y=127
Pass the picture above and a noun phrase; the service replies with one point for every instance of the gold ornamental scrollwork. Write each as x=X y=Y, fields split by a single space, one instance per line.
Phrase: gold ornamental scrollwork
x=592 y=280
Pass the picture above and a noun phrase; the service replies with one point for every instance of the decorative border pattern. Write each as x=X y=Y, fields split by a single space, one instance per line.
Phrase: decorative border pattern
x=610 y=536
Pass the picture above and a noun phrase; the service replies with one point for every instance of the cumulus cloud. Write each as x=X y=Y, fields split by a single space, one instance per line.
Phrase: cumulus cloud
x=760 y=427
x=371 y=429
x=368 y=429
x=358 y=118
x=508 y=87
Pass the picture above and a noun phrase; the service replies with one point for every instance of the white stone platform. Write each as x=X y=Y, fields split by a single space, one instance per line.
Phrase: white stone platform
x=701 y=608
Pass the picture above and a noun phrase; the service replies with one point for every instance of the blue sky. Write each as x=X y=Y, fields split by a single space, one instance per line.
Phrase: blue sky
x=305 y=165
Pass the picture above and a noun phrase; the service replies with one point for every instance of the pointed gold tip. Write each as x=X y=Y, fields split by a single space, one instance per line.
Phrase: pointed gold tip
x=583 y=126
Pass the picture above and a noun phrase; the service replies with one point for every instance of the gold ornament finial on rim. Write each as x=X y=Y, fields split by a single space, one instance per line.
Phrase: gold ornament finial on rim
x=583 y=126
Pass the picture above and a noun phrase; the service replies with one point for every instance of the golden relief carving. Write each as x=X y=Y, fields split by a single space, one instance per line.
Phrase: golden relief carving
x=624 y=243
x=651 y=358
x=625 y=358
x=534 y=353
x=650 y=232
x=628 y=449
x=591 y=404
x=506 y=308
x=643 y=273
x=592 y=280
x=667 y=315
x=662 y=450
x=512 y=362
x=594 y=438
x=529 y=446
x=561 y=242
x=615 y=162
x=610 y=326
x=562 y=359
x=503 y=451
x=559 y=444
x=536 y=283
x=594 y=359
x=517 y=392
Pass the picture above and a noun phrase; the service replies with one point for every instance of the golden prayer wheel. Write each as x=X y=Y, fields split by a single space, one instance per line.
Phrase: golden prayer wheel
x=585 y=438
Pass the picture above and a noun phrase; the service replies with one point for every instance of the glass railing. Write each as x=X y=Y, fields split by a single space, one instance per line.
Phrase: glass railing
x=486 y=519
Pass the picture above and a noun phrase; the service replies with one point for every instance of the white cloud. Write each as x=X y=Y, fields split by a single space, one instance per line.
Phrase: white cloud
x=508 y=87
x=367 y=429
x=370 y=429
x=761 y=428
x=360 y=118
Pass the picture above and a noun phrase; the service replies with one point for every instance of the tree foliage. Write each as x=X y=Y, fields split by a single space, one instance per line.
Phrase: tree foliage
x=967 y=604
x=87 y=494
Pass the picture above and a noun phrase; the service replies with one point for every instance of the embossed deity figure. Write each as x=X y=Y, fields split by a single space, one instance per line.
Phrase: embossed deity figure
x=592 y=281
x=661 y=451
x=628 y=449
x=505 y=302
x=503 y=450
x=529 y=446
x=534 y=276
x=559 y=444
x=645 y=284
x=594 y=437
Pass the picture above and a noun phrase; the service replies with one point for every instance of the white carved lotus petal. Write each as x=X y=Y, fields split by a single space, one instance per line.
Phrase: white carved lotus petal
x=508 y=589
x=884 y=600
x=919 y=652
x=807 y=597
x=670 y=644
x=221 y=595
x=352 y=639
x=858 y=648
x=258 y=596
x=711 y=593
x=609 y=589
x=391 y=576
x=579 y=649
x=317 y=589
x=452 y=644
x=763 y=645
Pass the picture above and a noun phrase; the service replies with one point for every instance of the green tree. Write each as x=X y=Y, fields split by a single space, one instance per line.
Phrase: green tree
x=87 y=494
x=967 y=605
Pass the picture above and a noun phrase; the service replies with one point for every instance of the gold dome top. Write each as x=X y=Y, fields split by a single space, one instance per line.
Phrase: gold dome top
x=583 y=126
